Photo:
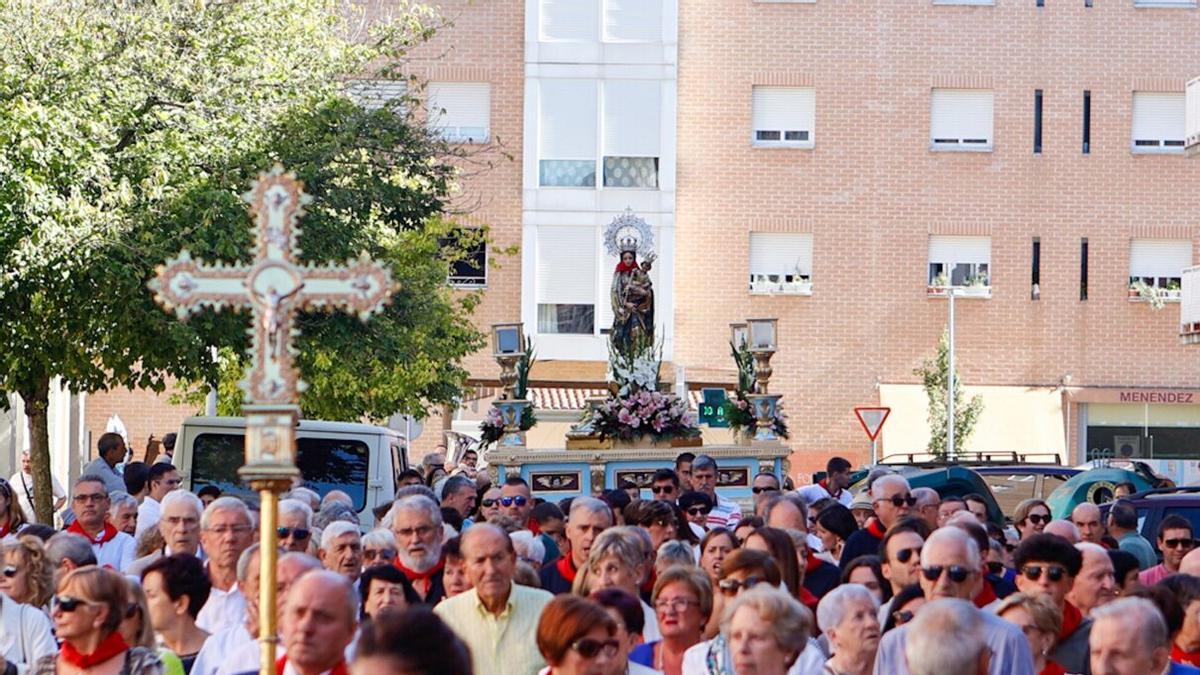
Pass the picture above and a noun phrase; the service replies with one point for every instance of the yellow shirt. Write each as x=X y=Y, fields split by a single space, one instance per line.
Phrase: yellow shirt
x=505 y=644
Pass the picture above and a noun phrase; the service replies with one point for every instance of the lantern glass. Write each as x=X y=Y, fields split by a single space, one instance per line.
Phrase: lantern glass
x=739 y=335
x=763 y=335
x=506 y=338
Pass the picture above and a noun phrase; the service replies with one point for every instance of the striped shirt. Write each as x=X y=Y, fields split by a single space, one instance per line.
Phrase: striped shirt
x=724 y=514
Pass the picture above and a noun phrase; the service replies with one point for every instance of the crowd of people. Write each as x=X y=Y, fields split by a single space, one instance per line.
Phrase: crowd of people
x=458 y=575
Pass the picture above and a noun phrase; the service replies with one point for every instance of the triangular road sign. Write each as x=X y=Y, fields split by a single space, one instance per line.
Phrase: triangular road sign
x=872 y=420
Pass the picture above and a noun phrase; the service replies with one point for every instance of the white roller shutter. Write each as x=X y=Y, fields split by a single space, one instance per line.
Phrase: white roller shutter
x=1192 y=114
x=567 y=119
x=1159 y=257
x=461 y=110
x=782 y=253
x=956 y=249
x=1158 y=119
x=375 y=94
x=566 y=265
x=961 y=118
x=783 y=110
x=633 y=20
x=570 y=20
x=631 y=118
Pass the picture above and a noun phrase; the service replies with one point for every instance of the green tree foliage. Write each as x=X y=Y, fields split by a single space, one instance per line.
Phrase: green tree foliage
x=128 y=131
x=935 y=377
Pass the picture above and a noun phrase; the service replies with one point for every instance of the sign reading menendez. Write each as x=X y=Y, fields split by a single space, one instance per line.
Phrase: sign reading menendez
x=1158 y=397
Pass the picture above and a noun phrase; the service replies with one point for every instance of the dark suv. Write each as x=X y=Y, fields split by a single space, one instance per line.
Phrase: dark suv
x=1154 y=505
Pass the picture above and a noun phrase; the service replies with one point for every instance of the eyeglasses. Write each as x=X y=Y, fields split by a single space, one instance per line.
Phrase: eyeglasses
x=509 y=501
x=422 y=532
x=733 y=586
x=1179 y=543
x=899 y=500
x=294 y=532
x=662 y=489
x=1053 y=572
x=589 y=648
x=903 y=616
x=698 y=511
x=10 y=572
x=1037 y=518
x=488 y=503
x=957 y=573
x=67 y=603
x=760 y=490
x=996 y=568
x=906 y=554
x=675 y=604
x=93 y=498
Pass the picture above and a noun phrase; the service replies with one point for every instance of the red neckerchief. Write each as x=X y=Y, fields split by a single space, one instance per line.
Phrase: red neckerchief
x=1072 y=617
x=1052 y=668
x=811 y=563
x=876 y=528
x=622 y=267
x=566 y=568
x=533 y=526
x=421 y=581
x=111 y=646
x=106 y=535
x=648 y=587
x=339 y=669
x=986 y=596
x=824 y=483
x=1186 y=658
x=6 y=529
x=808 y=599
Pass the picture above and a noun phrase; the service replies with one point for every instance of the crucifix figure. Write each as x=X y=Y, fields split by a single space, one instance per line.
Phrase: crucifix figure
x=273 y=287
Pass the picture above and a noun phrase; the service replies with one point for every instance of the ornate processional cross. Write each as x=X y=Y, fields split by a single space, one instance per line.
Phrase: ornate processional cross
x=274 y=287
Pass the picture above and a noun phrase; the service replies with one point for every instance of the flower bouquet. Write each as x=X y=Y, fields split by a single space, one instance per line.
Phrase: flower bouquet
x=644 y=413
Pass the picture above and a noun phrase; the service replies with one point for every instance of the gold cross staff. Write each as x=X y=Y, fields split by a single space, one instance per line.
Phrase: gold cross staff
x=274 y=288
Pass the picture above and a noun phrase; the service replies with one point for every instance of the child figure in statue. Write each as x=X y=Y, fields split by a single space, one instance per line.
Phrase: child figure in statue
x=632 y=301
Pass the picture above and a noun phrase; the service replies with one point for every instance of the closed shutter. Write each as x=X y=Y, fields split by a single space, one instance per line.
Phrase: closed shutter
x=567 y=119
x=783 y=114
x=566 y=265
x=631 y=118
x=1159 y=257
x=1192 y=114
x=570 y=20
x=461 y=110
x=376 y=94
x=955 y=249
x=780 y=253
x=633 y=20
x=961 y=118
x=1158 y=119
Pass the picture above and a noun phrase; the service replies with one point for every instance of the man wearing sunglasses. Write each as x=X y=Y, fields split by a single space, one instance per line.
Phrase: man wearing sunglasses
x=1175 y=540
x=892 y=500
x=89 y=499
x=516 y=501
x=664 y=485
x=900 y=560
x=763 y=486
x=295 y=525
x=951 y=567
x=587 y=518
x=1048 y=564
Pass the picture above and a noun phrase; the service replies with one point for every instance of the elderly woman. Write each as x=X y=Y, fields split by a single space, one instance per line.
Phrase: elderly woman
x=766 y=630
x=12 y=517
x=617 y=560
x=123 y=512
x=1040 y=620
x=1031 y=517
x=87 y=612
x=577 y=637
x=295 y=525
x=717 y=544
x=379 y=548
x=28 y=575
x=176 y=588
x=833 y=527
x=672 y=553
x=683 y=601
x=848 y=617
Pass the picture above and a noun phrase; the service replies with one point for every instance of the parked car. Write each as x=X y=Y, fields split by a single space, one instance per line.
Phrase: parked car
x=1095 y=486
x=1014 y=483
x=1154 y=505
x=949 y=481
x=359 y=459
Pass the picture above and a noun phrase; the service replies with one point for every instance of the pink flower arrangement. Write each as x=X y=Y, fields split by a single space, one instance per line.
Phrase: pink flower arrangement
x=645 y=413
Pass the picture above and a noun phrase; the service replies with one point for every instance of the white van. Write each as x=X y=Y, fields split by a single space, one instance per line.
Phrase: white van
x=359 y=459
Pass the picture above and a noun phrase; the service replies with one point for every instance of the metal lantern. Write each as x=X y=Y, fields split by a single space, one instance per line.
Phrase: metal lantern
x=763 y=335
x=739 y=335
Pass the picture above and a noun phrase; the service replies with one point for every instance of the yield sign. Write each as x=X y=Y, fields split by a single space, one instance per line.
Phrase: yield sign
x=872 y=420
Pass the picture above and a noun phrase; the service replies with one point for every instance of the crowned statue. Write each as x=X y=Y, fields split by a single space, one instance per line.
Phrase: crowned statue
x=632 y=295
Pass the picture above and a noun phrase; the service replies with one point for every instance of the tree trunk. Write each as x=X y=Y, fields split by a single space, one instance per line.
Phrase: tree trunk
x=37 y=404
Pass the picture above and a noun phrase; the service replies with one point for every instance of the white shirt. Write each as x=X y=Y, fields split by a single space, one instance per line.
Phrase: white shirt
x=810 y=662
x=223 y=610
x=650 y=631
x=149 y=514
x=816 y=491
x=22 y=484
x=219 y=647
x=116 y=553
x=724 y=514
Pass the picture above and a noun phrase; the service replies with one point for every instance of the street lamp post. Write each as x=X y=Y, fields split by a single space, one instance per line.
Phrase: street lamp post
x=950 y=383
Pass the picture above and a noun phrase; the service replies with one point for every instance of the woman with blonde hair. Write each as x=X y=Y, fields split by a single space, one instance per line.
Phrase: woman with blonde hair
x=1031 y=517
x=1041 y=621
x=28 y=576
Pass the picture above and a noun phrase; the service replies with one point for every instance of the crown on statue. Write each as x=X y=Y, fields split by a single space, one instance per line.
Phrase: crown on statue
x=628 y=243
x=629 y=233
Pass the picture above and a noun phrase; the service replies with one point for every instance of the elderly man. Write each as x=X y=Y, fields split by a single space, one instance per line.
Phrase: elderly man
x=496 y=618
x=67 y=551
x=1048 y=564
x=123 y=512
x=179 y=525
x=341 y=550
x=416 y=521
x=892 y=499
x=928 y=504
x=1123 y=526
x=295 y=525
x=941 y=623
x=226 y=529
x=1095 y=585
x=1129 y=637
x=704 y=479
x=1191 y=563
x=111 y=450
x=951 y=567
x=89 y=499
x=1086 y=517
x=458 y=493
x=1175 y=540
x=586 y=520
x=319 y=620
x=1063 y=528
x=833 y=485
x=163 y=479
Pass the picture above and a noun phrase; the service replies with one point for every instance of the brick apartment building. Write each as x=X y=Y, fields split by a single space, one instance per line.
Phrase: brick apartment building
x=827 y=163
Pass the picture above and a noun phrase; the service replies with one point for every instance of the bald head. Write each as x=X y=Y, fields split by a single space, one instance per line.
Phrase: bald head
x=319 y=620
x=1191 y=563
x=482 y=535
x=1086 y=517
x=1063 y=528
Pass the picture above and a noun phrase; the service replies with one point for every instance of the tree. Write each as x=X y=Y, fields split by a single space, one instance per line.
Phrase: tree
x=133 y=127
x=935 y=377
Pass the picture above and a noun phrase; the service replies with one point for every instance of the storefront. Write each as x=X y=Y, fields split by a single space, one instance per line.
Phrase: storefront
x=1158 y=425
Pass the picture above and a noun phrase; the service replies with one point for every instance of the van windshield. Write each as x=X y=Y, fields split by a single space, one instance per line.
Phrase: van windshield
x=325 y=463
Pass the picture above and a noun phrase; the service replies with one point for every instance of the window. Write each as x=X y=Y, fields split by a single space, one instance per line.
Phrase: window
x=1035 y=292
x=1159 y=263
x=567 y=133
x=1037 y=122
x=961 y=119
x=566 y=280
x=1158 y=121
x=964 y=2
x=460 y=110
x=783 y=116
x=376 y=94
x=1164 y=3
x=631 y=133
x=632 y=20
x=1087 y=122
x=569 y=20
x=1192 y=114
x=325 y=464
x=468 y=268
x=959 y=261
x=780 y=262
x=1083 y=269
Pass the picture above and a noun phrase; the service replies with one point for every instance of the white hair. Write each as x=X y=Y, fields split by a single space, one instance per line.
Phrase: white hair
x=1089 y=547
x=291 y=506
x=185 y=497
x=117 y=499
x=379 y=538
x=957 y=536
x=1141 y=616
x=675 y=552
x=834 y=606
x=225 y=504
x=591 y=505
x=306 y=495
x=335 y=530
x=940 y=624
x=415 y=503
x=528 y=546
x=891 y=478
x=338 y=496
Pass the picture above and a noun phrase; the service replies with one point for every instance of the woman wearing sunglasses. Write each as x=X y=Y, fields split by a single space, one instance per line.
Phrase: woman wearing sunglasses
x=905 y=606
x=577 y=637
x=1031 y=517
x=27 y=576
x=87 y=612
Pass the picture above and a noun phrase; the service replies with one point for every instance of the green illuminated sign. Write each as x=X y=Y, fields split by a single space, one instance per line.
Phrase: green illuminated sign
x=713 y=408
